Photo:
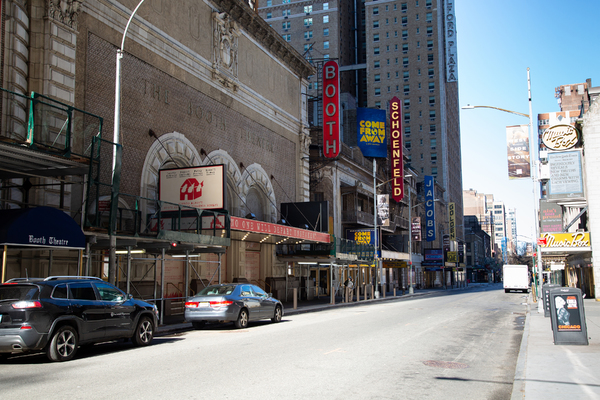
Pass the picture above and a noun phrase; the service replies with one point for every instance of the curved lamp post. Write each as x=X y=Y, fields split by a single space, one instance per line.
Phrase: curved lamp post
x=534 y=179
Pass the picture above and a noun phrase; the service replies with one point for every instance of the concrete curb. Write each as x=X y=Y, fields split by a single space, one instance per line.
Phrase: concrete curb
x=518 y=391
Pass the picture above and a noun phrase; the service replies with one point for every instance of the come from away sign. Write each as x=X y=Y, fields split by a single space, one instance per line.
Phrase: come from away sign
x=370 y=132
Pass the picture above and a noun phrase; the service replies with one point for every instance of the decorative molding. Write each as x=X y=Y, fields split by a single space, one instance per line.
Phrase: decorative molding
x=225 y=50
x=64 y=11
x=258 y=28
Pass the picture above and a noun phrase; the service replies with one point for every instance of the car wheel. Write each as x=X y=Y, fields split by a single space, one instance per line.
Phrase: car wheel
x=242 y=320
x=277 y=315
x=198 y=324
x=143 y=333
x=63 y=345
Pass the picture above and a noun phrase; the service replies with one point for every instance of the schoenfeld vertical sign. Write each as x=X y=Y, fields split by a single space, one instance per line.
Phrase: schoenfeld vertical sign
x=396 y=149
x=331 y=109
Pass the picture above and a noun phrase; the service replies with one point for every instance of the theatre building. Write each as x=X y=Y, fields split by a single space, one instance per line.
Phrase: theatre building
x=186 y=188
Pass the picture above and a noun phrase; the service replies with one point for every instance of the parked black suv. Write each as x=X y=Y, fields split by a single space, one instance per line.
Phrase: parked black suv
x=57 y=314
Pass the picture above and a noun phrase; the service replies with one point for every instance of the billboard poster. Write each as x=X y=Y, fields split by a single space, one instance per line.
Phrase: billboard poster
x=433 y=257
x=551 y=217
x=331 y=109
x=517 y=147
x=567 y=313
x=450 y=35
x=415 y=228
x=383 y=209
x=396 y=149
x=370 y=130
x=361 y=236
x=429 y=185
x=194 y=187
x=566 y=180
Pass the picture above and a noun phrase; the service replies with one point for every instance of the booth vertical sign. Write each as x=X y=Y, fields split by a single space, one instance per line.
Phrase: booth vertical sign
x=429 y=208
x=396 y=149
x=331 y=109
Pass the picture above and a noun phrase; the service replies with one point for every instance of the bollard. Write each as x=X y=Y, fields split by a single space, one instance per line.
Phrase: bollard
x=394 y=291
x=295 y=298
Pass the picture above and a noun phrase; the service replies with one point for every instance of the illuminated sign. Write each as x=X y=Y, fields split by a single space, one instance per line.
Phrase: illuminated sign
x=370 y=132
x=571 y=241
x=331 y=109
x=452 y=214
x=560 y=137
x=429 y=185
x=450 y=34
x=396 y=149
x=361 y=236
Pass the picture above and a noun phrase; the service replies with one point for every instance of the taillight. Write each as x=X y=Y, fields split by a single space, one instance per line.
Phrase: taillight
x=20 y=305
x=220 y=303
x=191 y=304
x=25 y=327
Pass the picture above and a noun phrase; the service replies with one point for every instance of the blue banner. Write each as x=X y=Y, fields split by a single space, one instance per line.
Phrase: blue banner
x=370 y=132
x=429 y=208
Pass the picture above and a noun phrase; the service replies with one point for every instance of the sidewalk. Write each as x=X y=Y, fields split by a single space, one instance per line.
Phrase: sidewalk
x=548 y=371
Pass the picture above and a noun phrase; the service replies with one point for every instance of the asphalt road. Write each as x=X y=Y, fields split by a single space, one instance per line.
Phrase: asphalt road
x=462 y=345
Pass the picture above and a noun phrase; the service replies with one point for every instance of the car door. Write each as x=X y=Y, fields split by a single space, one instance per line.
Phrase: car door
x=267 y=305
x=251 y=302
x=88 y=309
x=120 y=310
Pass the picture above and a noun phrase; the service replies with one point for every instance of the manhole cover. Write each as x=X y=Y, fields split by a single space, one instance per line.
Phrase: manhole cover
x=445 y=364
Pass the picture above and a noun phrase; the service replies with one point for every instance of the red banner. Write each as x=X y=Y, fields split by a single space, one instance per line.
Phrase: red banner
x=396 y=149
x=331 y=109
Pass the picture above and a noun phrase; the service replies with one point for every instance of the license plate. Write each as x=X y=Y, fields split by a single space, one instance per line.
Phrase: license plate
x=203 y=304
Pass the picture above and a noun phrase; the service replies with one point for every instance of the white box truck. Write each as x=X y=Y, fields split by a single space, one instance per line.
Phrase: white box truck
x=515 y=278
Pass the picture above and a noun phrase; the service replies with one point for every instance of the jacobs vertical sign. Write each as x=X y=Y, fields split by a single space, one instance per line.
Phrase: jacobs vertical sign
x=396 y=149
x=331 y=109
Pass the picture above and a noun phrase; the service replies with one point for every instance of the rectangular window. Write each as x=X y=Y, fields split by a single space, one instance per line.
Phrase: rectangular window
x=404 y=21
x=325 y=31
x=431 y=72
x=433 y=143
x=376 y=64
x=431 y=114
x=326 y=44
x=407 y=117
x=286 y=24
x=269 y=3
x=405 y=34
x=407 y=144
x=325 y=19
x=431 y=100
x=306 y=47
x=308 y=35
x=404 y=6
x=405 y=61
x=407 y=130
x=375 y=50
x=308 y=9
x=375 y=24
x=325 y=6
x=286 y=12
x=405 y=48
x=430 y=45
x=406 y=89
x=432 y=128
x=269 y=15
x=405 y=74
x=430 y=58
x=429 y=17
x=375 y=10
x=377 y=91
x=431 y=86
x=376 y=37
x=377 y=77
x=430 y=31
x=287 y=37
x=406 y=103
x=308 y=21
x=433 y=156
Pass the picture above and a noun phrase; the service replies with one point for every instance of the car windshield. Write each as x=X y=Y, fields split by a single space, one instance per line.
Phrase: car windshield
x=217 y=290
x=17 y=292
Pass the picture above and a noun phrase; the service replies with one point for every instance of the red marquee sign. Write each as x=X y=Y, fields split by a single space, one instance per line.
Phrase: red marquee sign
x=250 y=225
x=396 y=149
x=331 y=109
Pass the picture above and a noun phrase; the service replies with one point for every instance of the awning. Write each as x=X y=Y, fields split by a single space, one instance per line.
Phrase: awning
x=44 y=227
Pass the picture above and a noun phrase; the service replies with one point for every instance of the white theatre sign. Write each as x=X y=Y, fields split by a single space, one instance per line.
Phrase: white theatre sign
x=195 y=187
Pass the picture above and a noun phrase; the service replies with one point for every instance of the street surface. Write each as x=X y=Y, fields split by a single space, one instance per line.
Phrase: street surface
x=456 y=345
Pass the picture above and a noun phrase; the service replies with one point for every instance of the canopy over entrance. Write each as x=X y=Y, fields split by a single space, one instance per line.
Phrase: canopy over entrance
x=44 y=227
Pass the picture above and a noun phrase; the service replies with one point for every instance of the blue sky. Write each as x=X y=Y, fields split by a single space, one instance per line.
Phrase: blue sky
x=497 y=42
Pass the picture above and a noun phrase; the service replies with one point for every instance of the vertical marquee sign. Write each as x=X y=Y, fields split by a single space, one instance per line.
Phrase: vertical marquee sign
x=331 y=109
x=396 y=149
x=429 y=182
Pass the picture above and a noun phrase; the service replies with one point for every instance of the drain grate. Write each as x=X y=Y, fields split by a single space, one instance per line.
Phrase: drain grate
x=445 y=364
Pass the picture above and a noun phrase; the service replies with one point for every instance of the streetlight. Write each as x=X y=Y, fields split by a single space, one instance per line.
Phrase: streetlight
x=112 y=270
x=532 y=167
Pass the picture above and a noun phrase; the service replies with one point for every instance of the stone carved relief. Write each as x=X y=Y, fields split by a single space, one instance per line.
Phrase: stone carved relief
x=225 y=49
x=65 y=11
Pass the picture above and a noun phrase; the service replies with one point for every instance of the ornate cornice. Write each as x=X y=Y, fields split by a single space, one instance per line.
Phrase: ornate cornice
x=252 y=23
x=64 y=11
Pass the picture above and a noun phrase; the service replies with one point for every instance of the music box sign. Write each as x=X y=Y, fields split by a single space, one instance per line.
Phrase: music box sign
x=560 y=137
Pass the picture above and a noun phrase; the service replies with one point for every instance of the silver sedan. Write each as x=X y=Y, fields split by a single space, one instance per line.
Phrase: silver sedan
x=232 y=302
